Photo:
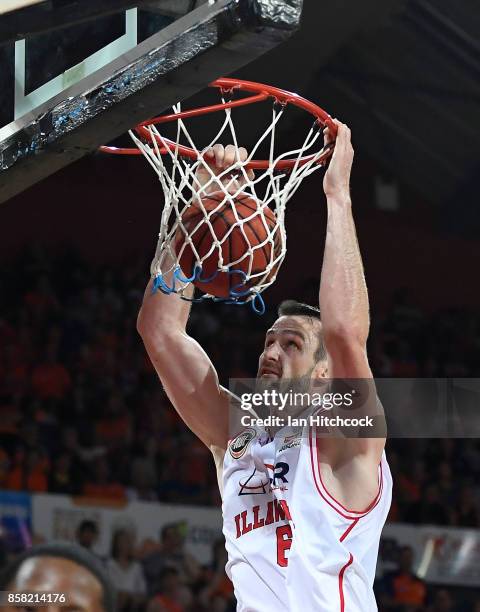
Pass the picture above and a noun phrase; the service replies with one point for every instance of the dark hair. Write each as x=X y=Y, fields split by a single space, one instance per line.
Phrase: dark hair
x=114 y=547
x=292 y=308
x=87 y=525
x=72 y=552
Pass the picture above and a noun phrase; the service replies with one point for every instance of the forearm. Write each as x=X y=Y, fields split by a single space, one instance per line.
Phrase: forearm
x=161 y=309
x=343 y=291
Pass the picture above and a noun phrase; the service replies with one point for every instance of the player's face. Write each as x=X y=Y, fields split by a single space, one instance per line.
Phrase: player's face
x=83 y=592
x=289 y=351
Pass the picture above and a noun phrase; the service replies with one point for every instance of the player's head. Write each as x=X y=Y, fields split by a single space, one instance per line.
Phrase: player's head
x=64 y=569
x=294 y=346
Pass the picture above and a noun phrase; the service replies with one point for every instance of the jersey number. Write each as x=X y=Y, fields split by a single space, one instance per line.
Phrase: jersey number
x=284 y=543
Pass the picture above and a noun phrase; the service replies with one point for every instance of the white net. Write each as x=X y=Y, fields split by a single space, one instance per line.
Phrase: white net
x=224 y=232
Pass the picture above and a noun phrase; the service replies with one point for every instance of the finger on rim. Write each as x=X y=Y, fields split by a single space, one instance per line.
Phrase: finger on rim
x=208 y=152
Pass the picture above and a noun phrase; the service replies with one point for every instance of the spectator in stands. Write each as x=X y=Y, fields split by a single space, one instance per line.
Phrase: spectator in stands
x=218 y=603
x=171 y=554
x=143 y=481
x=87 y=534
x=61 y=478
x=428 y=510
x=81 y=454
x=114 y=428
x=28 y=471
x=79 y=458
x=4 y=465
x=387 y=558
x=410 y=481
x=126 y=573
x=170 y=594
x=443 y=602
x=50 y=379
x=217 y=594
x=402 y=590
x=102 y=486
x=9 y=408
x=465 y=511
x=445 y=482
x=41 y=300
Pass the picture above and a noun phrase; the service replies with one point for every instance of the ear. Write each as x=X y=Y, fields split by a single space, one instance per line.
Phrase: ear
x=320 y=370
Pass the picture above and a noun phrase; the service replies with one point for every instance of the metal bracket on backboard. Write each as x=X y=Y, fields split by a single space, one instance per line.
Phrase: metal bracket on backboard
x=173 y=64
x=25 y=103
x=47 y=15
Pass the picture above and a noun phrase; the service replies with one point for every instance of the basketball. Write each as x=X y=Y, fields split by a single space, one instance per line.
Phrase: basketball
x=237 y=241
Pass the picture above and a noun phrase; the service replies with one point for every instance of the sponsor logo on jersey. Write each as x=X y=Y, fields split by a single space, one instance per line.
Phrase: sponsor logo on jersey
x=278 y=479
x=257 y=483
x=239 y=444
x=291 y=441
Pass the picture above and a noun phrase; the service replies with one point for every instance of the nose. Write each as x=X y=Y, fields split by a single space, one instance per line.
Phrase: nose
x=272 y=352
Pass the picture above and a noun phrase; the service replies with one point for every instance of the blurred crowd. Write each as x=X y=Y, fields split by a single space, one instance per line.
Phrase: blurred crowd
x=399 y=589
x=82 y=412
x=159 y=575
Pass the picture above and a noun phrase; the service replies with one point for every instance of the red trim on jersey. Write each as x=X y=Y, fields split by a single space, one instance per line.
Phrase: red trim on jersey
x=372 y=503
x=321 y=485
x=350 y=518
x=349 y=529
x=340 y=583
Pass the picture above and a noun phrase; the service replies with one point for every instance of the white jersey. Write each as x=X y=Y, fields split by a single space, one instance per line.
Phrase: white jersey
x=291 y=545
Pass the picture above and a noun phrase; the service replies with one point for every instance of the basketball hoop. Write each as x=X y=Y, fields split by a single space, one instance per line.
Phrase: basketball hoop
x=277 y=179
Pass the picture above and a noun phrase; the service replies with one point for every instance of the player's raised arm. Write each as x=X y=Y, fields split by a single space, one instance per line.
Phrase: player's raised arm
x=185 y=370
x=343 y=291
